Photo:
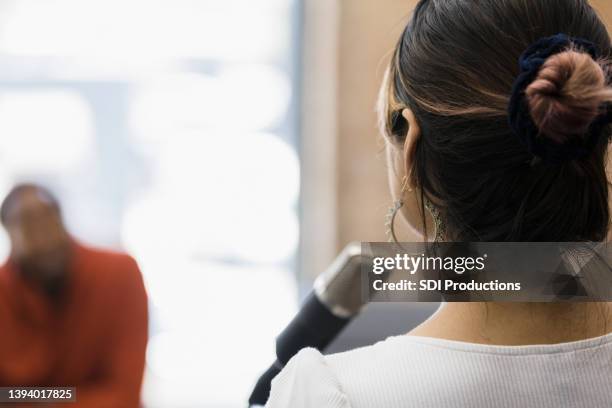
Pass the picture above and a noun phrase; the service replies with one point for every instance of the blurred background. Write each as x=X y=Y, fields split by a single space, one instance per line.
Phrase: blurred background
x=230 y=146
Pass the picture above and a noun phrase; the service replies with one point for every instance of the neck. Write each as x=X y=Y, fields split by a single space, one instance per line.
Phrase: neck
x=518 y=323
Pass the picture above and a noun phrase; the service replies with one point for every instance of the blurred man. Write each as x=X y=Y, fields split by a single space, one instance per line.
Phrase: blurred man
x=69 y=315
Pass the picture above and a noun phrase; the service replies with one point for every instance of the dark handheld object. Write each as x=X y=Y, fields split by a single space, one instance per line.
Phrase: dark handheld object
x=330 y=306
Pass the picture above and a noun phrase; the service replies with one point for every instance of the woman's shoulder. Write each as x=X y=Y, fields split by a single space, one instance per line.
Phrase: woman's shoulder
x=307 y=381
x=426 y=372
x=312 y=379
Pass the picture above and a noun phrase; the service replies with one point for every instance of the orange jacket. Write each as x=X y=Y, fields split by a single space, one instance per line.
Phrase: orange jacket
x=95 y=341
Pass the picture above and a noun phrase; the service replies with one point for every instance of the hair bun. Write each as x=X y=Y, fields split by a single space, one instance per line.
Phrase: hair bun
x=567 y=95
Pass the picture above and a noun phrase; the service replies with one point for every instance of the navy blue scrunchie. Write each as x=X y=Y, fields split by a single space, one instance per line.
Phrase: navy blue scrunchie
x=518 y=109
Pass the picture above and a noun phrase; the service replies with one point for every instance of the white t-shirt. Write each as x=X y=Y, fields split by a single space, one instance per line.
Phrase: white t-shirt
x=410 y=371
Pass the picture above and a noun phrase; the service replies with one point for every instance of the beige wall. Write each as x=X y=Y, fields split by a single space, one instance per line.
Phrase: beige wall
x=344 y=186
x=604 y=7
x=368 y=33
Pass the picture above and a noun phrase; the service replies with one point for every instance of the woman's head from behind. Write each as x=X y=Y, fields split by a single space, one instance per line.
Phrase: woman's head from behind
x=444 y=111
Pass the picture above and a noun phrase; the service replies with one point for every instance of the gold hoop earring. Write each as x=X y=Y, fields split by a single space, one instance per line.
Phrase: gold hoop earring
x=406 y=185
x=393 y=210
x=440 y=228
x=390 y=221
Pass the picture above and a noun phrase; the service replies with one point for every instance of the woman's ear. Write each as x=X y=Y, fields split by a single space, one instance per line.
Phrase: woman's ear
x=412 y=137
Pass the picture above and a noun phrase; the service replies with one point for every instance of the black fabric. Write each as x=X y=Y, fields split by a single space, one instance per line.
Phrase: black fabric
x=520 y=119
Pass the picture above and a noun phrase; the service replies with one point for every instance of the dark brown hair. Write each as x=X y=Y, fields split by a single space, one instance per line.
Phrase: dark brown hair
x=454 y=67
x=17 y=191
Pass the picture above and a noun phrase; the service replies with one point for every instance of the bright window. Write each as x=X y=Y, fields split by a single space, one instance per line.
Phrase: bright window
x=167 y=128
